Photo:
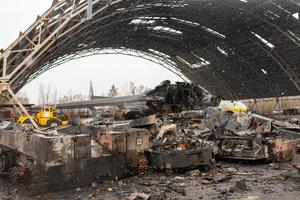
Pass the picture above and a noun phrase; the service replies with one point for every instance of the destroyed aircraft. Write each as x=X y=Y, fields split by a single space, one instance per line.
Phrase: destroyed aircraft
x=181 y=96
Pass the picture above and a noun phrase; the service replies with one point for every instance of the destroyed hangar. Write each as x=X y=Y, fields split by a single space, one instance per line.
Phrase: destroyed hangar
x=234 y=49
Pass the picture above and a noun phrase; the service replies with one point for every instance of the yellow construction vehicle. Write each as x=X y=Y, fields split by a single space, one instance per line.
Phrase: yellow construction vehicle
x=47 y=117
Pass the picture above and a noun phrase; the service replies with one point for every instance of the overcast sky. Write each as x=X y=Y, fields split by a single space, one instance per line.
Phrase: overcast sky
x=102 y=70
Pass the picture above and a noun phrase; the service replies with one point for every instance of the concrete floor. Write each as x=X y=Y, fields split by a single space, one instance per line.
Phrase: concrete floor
x=259 y=181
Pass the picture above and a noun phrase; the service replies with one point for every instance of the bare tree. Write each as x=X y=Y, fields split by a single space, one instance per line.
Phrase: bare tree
x=66 y=98
x=73 y=97
x=54 y=97
x=79 y=97
x=63 y=99
x=23 y=98
x=48 y=94
x=113 y=91
x=129 y=88
x=42 y=95
x=124 y=88
x=132 y=88
x=141 y=89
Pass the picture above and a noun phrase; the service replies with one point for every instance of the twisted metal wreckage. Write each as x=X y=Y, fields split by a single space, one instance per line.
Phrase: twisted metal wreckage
x=236 y=49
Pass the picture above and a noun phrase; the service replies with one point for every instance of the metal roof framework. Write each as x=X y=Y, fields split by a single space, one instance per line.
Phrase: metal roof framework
x=238 y=49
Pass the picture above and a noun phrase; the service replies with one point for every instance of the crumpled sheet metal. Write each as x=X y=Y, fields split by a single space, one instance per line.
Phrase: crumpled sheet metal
x=244 y=136
x=242 y=148
x=238 y=123
x=168 y=160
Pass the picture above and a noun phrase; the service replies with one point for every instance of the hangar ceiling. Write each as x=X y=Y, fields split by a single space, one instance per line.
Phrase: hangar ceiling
x=237 y=49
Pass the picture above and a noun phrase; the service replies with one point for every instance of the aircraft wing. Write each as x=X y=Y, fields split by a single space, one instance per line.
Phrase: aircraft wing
x=112 y=101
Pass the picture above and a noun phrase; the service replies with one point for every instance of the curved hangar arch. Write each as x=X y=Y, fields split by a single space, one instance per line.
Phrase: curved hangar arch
x=234 y=48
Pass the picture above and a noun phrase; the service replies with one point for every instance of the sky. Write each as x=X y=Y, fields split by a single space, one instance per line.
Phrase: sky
x=75 y=76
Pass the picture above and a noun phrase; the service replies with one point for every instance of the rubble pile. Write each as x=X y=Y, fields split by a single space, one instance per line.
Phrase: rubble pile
x=243 y=136
x=178 y=141
x=251 y=136
x=186 y=130
x=208 y=133
x=245 y=124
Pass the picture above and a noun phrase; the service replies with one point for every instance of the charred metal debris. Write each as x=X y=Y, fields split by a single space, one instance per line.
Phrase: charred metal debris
x=180 y=128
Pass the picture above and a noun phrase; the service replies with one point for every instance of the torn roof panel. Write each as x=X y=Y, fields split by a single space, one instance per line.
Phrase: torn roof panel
x=244 y=49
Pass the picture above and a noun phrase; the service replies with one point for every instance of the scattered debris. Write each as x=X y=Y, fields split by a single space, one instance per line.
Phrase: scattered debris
x=170 y=128
x=177 y=188
x=205 y=181
x=220 y=177
x=242 y=185
x=179 y=178
x=251 y=198
x=195 y=173
x=281 y=178
x=232 y=170
x=138 y=196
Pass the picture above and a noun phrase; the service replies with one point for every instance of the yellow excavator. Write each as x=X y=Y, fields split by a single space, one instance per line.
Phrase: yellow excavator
x=47 y=117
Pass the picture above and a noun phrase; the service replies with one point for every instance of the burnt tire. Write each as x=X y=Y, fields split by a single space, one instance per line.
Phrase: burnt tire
x=27 y=121
x=53 y=123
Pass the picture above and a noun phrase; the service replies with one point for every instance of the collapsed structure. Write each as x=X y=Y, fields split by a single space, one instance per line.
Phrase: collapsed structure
x=178 y=126
x=236 y=49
